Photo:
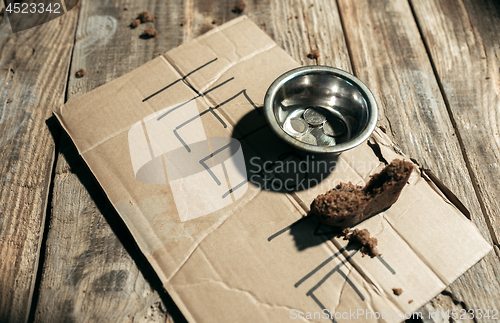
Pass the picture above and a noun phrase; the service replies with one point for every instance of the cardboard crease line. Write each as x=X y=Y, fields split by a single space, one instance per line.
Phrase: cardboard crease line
x=214 y=228
x=419 y=256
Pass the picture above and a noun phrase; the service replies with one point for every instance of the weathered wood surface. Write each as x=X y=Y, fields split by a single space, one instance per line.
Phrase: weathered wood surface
x=92 y=270
x=33 y=73
x=462 y=38
x=389 y=55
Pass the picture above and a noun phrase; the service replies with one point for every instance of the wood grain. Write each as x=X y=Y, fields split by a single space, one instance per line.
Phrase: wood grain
x=93 y=271
x=303 y=26
x=388 y=54
x=462 y=40
x=33 y=74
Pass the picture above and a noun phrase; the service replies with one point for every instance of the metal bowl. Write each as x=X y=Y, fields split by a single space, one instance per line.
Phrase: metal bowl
x=320 y=109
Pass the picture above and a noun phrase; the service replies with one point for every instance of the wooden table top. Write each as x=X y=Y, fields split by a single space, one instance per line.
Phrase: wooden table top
x=433 y=66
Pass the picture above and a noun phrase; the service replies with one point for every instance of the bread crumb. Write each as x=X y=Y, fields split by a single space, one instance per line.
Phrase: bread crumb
x=313 y=54
x=135 y=23
x=397 y=291
x=80 y=73
x=149 y=33
x=145 y=16
x=239 y=7
x=410 y=301
x=369 y=245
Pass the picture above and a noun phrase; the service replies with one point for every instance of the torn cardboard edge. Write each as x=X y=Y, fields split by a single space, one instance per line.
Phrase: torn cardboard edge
x=429 y=175
x=434 y=183
x=426 y=173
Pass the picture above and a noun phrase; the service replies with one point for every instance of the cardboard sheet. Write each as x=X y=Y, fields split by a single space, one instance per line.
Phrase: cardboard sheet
x=182 y=150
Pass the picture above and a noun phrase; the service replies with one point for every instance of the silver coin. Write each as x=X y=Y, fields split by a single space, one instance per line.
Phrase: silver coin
x=326 y=141
x=322 y=139
x=334 y=127
x=308 y=139
x=314 y=117
x=295 y=126
x=299 y=125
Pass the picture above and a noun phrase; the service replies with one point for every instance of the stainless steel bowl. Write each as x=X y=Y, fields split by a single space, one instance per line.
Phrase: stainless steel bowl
x=320 y=109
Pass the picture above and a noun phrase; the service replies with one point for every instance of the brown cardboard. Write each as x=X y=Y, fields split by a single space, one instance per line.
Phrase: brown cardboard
x=226 y=250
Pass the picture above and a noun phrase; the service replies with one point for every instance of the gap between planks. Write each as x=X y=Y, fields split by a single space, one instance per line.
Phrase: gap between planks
x=455 y=128
x=43 y=241
x=48 y=211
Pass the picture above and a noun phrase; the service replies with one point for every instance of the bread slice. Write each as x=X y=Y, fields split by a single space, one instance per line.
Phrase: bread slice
x=348 y=204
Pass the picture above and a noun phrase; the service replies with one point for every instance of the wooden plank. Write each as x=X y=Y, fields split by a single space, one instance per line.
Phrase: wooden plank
x=298 y=26
x=389 y=56
x=93 y=271
x=306 y=26
x=33 y=69
x=462 y=39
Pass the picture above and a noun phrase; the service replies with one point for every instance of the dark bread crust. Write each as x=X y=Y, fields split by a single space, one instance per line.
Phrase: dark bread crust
x=348 y=204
